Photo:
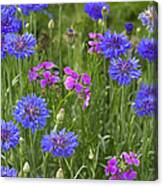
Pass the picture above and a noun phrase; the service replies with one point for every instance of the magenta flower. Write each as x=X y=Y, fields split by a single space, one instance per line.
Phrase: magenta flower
x=129 y=175
x=118 y=169
x=111 y=167
x=131 y=158
x=69 y=83
x=46 y=73
x=49 y=79
x=79 y=83
x=94 y=43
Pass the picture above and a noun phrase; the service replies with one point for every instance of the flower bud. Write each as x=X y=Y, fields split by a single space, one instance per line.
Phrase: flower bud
x=91 y=155
x=26 y=167
x=60 y=115
x=59 y=173
x=51 y=24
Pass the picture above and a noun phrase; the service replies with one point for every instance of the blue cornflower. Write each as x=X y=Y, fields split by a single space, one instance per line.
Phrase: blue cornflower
x=7 y=172
x=8 y=10
x=149 y=18
x=124 y=71
x=148 y=49
x=9 y=23
x=9 y=135
x=94 y=10
x=26 y=9
x=20 y=46
x=60 y=144
x=31 y=112
x=129 y=27
x=114 y=45
x=146 y=102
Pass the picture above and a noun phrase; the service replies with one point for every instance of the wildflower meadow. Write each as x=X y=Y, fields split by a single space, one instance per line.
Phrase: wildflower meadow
x=79 y=90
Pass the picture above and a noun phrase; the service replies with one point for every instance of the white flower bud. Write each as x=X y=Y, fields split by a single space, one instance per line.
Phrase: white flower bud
x=60 y=115
x=51 y=24
x=26 y=167
x=59 y=173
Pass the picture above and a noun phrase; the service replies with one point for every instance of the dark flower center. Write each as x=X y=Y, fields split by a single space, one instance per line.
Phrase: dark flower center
x=125 y=66
x=60 y=141
x=20 y=44
x=32 y=112
x=5 y=134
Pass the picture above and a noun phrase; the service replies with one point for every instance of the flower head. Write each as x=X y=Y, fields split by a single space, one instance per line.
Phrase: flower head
x=31 y=112
x=20 y=46
x=114 y=45
x=60 y=144
x=131 y=158
x=124 y=71
x=9 y=23
x=145 y=103
x=7 y=172
x=148 y=49
x=149 y=18
x=46 y=73
x=94 y=43
x=112 y=168
x=123 y=167
x=129 y=175
x=79 y=83
x=129 y=27
x=26 y=9
x=94 y=10
x=9 y=135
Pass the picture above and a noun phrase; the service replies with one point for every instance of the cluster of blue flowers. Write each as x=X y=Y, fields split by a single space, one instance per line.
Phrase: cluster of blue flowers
x=8 y=172
x=12 y=42
x=32 y=111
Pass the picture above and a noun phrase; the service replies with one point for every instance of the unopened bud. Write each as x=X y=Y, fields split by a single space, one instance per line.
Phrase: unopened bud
x=138 y=29
x=26 y=167
x=101 y=22
x=51 y=24
x=91 y=155
x=60 y=115
x=59 y=173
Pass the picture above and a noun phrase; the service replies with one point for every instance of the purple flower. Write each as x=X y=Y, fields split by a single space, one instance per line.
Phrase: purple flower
x=86 y=79
x=94 y=10
x=9 y=135
x=60 y=144
x=145 y=103
x=129 y=27
x=87 y=97
x=27 y=9
x=129 y=175
x=111 y=167
x=49 y=79
x=20 y=46
x=46 y=73
x=122 y=168
x=148 y=49
x=114 y=45
x=8 y=172
x=72 y=73
x=31 y=112
x=149 y=18
x=79 y=83
x=124 y=71
x=131 y=158
x=95 y=44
